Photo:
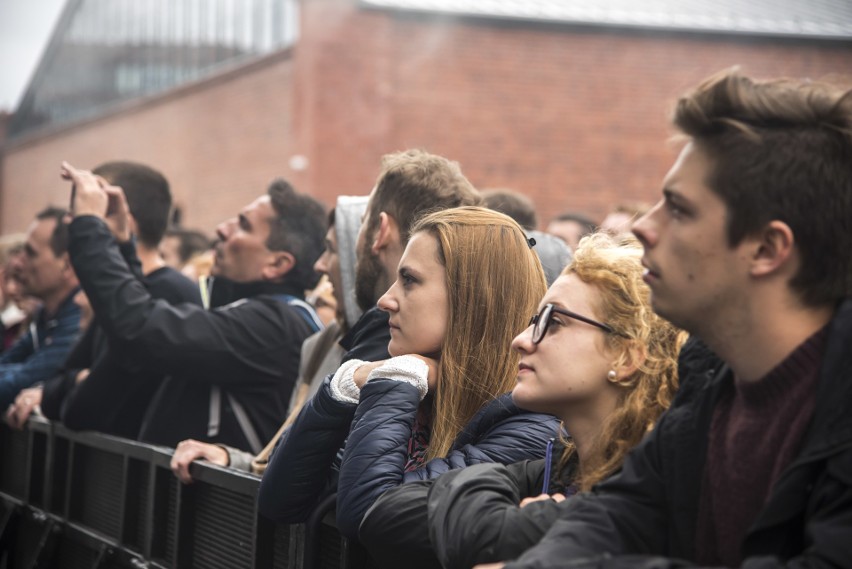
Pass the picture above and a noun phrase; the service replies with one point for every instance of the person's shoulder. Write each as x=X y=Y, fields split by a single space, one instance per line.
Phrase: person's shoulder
x=173 y=286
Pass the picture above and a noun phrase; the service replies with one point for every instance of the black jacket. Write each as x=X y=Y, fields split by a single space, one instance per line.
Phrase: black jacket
x=376 y=449
x=646 y=515
x=472 y=513
x=368 y=339
x=247 y=350
x=304 y=466
x=115 y=396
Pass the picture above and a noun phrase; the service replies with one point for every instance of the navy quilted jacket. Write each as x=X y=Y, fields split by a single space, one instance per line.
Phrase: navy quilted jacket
x=302 y=469
x=377 y=448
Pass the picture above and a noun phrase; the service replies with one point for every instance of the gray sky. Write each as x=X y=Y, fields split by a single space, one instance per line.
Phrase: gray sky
x=25 y=27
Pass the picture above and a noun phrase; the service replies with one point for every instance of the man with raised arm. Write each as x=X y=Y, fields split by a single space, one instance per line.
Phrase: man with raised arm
x=231 y=369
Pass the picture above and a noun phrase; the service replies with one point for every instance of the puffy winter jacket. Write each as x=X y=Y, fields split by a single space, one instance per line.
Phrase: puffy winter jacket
x=377 y=447
x=376 y=452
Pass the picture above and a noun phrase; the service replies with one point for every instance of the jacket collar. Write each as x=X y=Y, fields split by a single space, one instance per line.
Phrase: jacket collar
x=490 y=414
x=224 y=291
x=832 y=422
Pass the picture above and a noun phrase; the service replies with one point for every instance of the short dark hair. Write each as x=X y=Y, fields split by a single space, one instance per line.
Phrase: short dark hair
x=780 y=150
x=59 y=237
x=148 y=197
x=514 y=204
x=415 y=182
x=190 y=242
x=589 y=226
x=299 y=228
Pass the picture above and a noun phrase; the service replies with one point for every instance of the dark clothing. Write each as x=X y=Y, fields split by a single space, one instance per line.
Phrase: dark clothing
x=304 y=466
x=646 y=515
x=247 y=351
x=368 y=339
x=756 y=431
x=301 y=470
x=376 y=451
x=40 y=353
x=115 y=395
x=473 y=515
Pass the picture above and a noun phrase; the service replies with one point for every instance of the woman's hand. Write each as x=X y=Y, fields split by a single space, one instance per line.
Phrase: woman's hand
x=190 y=450
x=540 y=497
x=432 y=379
x=361 y=374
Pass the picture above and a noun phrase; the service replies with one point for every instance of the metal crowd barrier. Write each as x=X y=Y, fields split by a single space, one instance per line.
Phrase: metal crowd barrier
x=74 y=500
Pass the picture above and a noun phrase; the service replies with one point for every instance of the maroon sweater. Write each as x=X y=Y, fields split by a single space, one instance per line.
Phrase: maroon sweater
x=756 y=432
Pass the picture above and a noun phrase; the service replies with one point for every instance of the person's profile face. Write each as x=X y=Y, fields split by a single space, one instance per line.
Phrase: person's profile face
x=38 y=270
x=241 y=253
x=418 y=301
x=566 y=372
x=693 y=273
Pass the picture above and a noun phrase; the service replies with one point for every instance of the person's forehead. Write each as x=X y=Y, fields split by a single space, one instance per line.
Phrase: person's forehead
x=40 y=232
x=570 y=292
x=422 y=248
x=260 y=210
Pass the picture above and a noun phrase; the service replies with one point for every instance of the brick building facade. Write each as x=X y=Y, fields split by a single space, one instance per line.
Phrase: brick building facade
x=575 y=117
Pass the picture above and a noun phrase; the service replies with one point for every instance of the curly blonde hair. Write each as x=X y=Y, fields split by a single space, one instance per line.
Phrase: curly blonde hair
x=612 y=265
x=486 y=255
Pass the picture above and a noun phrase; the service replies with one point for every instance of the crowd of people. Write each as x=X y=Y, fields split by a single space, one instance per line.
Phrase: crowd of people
x=669 y=387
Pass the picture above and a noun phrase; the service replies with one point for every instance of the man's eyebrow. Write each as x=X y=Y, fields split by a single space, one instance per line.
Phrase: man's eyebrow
x=675 y=196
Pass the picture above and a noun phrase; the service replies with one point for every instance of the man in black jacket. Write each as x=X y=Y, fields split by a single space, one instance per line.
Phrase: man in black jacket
x=100 y=388
x=231 y=369
x=748 y=250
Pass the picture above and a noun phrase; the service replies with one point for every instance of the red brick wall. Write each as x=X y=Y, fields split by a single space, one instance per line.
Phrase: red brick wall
x=576 y=118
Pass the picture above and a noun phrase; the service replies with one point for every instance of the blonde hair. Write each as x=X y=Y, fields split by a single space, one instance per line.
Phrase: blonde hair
x=612 y=265
x=494 y=283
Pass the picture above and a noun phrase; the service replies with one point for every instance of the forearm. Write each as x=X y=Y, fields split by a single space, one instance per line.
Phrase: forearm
x=299 y=468
x=474 y=514
x=376 y=449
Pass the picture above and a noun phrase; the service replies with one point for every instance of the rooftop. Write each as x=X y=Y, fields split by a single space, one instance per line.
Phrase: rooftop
x=816 y=19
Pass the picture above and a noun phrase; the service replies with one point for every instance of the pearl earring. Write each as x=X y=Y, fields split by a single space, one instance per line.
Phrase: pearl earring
x=611 y=375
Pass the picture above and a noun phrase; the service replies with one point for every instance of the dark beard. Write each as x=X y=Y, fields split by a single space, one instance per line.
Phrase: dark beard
x=368 y=273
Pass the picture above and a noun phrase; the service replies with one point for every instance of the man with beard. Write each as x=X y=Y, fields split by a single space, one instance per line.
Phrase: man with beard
x=231 y=368
x=410 y=184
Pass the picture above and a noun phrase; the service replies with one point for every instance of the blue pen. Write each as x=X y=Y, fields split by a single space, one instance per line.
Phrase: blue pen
x=548 y=455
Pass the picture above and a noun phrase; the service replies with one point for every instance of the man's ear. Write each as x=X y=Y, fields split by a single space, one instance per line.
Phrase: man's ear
x=280 y=263
x=774 y=248
x=386 y=233
x=68 y=268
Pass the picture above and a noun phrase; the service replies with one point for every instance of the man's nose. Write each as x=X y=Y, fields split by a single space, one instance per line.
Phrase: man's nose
x=224 y=229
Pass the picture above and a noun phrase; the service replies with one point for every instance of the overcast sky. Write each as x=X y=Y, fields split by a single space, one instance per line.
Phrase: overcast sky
x=25 y=27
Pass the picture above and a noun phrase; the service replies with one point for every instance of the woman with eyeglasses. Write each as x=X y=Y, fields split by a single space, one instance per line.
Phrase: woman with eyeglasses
x=467 y=283
x=597 y=357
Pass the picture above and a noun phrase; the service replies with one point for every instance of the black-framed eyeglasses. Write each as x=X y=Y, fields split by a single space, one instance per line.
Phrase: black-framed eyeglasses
x=541 y=321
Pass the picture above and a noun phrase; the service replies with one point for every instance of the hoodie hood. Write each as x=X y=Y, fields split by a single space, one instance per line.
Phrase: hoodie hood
x=347 y=222
x=553 y=253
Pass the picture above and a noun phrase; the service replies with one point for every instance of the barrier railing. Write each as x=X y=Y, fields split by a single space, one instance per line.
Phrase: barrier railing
x=88 y=500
